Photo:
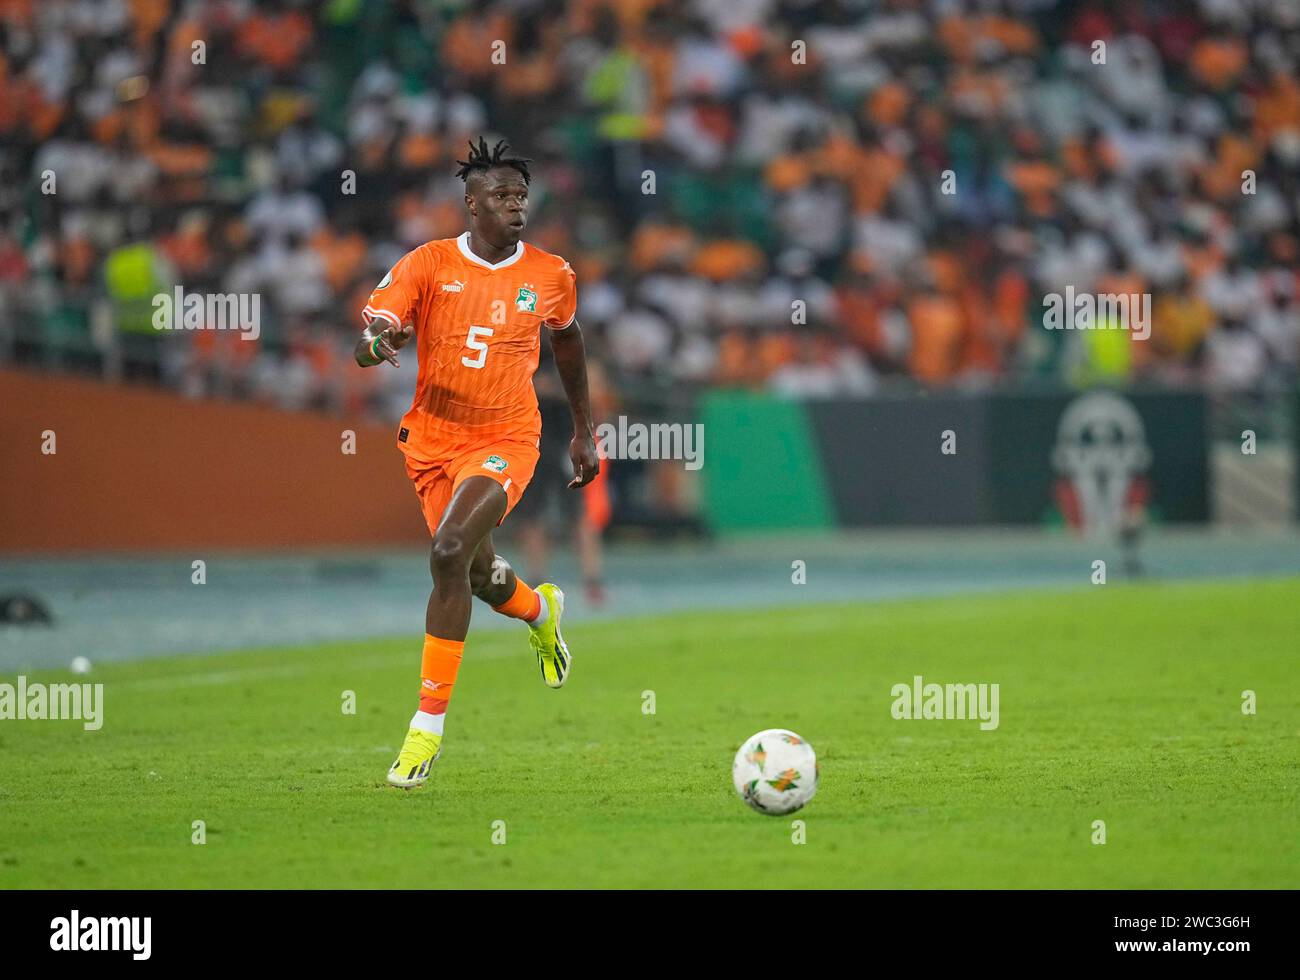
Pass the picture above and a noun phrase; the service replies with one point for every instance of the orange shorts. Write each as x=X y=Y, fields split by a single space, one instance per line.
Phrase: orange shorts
x=508 y=461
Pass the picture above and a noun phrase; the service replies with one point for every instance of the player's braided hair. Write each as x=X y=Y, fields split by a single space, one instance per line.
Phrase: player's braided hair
x=481 y=159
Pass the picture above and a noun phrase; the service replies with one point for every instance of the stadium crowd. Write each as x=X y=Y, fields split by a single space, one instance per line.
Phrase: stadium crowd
x=818 y=196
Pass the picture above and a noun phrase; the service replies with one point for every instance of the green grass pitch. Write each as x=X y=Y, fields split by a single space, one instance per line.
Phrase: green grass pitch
x=1119 y=703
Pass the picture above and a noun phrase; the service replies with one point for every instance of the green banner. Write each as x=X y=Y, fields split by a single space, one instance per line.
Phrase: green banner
x=762 y=469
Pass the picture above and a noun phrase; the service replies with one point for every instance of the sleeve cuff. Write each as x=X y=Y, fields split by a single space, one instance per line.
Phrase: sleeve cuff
x=370 y=313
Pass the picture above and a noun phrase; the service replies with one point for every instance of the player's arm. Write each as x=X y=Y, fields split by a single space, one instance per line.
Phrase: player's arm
x=571 y=364
x=391 y=309
x=380 y=342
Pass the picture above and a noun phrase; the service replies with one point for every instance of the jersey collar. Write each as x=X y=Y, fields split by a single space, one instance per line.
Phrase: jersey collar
x=463 y=244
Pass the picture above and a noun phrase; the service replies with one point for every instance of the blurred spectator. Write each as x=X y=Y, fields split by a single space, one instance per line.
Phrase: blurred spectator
x=822 y=198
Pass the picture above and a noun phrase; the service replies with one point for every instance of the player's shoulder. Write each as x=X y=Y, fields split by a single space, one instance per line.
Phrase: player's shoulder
x=442 y=245
x=417 y=261
x=547 y=261
x=438 y=249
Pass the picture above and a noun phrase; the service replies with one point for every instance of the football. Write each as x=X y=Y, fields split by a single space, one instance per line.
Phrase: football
x=775 y=772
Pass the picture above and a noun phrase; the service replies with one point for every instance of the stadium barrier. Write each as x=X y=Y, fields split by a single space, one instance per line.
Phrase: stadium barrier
x=91 y=466
x=1083 y=458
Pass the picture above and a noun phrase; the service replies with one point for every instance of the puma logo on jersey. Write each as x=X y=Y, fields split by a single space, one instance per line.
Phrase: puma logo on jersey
x=453 y=287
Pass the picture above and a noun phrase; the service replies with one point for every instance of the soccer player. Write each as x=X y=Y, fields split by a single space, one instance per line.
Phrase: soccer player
x=475 y=306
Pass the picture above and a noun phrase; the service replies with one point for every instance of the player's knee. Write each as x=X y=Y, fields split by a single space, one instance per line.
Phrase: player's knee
x=451 y=553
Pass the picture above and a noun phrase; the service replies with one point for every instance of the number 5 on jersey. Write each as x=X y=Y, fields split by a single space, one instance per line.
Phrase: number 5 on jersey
x=473 y=343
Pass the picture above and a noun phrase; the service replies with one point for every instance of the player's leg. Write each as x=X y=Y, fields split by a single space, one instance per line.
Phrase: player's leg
x=476 y=506
x=490 y=576
x=512 y=463
x=495 y=582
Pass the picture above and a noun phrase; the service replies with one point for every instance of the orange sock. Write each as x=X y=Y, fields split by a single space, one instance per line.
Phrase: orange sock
x=525 y=604
x=438 y=668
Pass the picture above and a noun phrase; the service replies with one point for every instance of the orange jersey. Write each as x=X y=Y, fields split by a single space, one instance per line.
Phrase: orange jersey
x=477 y=333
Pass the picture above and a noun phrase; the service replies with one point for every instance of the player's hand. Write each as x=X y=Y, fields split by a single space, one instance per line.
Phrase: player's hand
x=586 y=462
x=391 y=340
